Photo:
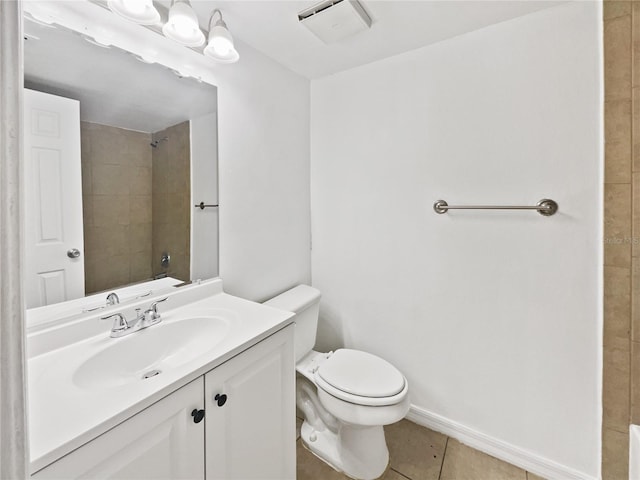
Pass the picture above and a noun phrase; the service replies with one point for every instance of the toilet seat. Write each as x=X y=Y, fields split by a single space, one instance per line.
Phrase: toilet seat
x=361 y=378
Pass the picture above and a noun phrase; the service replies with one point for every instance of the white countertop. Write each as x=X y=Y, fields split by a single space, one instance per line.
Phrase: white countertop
x=64 y=415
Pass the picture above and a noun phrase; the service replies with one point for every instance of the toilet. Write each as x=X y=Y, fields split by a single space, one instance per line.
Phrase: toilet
x=346 y=396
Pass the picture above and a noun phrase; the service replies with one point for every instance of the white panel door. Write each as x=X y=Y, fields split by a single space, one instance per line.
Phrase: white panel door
x=161 y=442
x=53 y=199
x=250 y=426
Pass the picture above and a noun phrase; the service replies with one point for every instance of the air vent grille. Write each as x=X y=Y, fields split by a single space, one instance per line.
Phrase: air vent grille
x=334 y=20
x=317 y=9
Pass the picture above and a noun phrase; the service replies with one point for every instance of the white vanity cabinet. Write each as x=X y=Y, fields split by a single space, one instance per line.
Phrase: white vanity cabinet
x=248 y=430
x=161 y=442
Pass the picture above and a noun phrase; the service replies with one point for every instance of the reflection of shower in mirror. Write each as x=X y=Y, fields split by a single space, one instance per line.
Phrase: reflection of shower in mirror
x=165 y=260
x=155 y=143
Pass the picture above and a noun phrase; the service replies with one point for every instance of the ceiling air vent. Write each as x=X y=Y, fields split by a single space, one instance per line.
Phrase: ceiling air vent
x=333 y=20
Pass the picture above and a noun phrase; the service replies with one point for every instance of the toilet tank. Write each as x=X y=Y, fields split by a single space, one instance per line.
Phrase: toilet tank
x=304 y=301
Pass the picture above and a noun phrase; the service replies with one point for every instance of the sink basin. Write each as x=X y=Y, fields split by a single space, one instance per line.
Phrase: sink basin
x=147 y=353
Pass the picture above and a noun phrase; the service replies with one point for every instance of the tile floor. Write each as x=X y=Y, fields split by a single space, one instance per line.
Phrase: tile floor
x=418 y=453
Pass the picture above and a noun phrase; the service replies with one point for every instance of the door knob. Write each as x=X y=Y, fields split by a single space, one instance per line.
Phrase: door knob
x=73 y=253
x=221 y=399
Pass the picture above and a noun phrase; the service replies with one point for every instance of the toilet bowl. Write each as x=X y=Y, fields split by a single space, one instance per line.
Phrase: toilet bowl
x=346 y=396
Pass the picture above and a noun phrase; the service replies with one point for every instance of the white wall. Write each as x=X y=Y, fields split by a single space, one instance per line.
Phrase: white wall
x=263 y=132
x=204 y=188
x=494 y=317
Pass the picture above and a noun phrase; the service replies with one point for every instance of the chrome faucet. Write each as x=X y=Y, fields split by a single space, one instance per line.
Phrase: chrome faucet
x=149 y=317
x=113 y=299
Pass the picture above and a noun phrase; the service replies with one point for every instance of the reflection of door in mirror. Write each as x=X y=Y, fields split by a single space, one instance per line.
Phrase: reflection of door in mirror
x=54 y=261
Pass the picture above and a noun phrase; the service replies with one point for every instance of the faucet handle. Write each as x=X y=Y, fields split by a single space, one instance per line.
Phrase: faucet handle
x=119 y=322
x=154 y=305
x=151 y=315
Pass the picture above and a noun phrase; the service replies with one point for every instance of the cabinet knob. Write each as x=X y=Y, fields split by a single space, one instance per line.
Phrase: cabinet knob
x=197 y=415
x=221 y=399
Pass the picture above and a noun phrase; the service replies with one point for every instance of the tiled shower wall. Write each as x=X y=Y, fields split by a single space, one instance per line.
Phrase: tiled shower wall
x=172 y=200
x=116 y=194
x=136 y=204
x=621 y=374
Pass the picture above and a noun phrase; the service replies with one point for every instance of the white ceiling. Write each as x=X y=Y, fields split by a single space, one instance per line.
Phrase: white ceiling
x=63 y=63
x=272 y=28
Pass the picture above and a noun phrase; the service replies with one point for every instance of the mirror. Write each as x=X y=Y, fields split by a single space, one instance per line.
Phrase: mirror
x=146 y=156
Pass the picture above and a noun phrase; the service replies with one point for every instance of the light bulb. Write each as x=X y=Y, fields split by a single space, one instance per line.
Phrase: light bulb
x=136 y=7
x=222 y=45
x=183 y=25
x=138 y=11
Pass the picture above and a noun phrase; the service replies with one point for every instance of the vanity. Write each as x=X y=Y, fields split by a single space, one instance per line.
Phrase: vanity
x=208 y=392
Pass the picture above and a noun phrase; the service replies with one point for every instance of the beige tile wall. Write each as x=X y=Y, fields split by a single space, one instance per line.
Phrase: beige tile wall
x=621 y=228
x=116 y=188
x=172 y=200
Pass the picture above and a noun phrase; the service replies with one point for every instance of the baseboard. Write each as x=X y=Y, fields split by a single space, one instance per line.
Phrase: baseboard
x=497 y=448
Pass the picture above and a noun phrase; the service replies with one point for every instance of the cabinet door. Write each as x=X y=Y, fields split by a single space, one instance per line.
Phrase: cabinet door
x=161 y=442
x=250 y=427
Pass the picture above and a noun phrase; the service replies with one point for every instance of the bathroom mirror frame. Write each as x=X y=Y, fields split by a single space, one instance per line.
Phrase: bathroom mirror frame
x=96 y=23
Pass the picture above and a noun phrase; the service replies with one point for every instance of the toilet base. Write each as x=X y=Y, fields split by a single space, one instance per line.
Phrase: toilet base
x=359 y=452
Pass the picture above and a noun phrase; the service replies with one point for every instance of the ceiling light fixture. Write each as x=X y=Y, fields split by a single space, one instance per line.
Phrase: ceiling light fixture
x=182 y=25
x=220 y=47
x=138 y=11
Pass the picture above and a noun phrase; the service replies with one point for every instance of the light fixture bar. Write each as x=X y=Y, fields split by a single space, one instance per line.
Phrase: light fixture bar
x=233 y=55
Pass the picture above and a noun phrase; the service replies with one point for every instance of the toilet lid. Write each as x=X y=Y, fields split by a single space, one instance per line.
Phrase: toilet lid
x=362 y=374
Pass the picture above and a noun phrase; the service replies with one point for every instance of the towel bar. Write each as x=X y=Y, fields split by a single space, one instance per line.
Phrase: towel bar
x=546 y=207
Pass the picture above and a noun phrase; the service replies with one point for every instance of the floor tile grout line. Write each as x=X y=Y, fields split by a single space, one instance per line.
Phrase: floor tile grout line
x=399 y=473
x=444 y=454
